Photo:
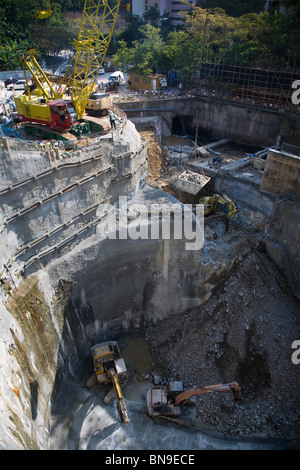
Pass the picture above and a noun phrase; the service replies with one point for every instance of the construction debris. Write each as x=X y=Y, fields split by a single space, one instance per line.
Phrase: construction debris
x=191 y=182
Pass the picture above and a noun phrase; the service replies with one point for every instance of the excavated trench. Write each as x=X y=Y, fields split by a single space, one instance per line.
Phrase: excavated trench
x=217 y=314
x=222 y=316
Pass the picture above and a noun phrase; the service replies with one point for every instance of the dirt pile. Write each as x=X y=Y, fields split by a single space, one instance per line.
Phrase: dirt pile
x=244 y=332
x=155 y=161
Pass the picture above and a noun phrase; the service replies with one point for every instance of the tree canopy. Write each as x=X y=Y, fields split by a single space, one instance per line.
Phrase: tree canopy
x=20 y=29
x=234 y=7
x=252 y=39
x=237 y=31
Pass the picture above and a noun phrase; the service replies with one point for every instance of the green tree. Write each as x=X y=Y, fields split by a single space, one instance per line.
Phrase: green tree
x=145 y=55
x=10 y=53
x=132 y=32
x=152 y=16
x=20 y=30
x=182 y=53
x=234 y=7
x=166 y=25
x=211 y=31
x=290 y=31
x=124 y=57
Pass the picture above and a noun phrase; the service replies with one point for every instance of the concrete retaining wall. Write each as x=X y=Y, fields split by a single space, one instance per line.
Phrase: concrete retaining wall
x=45 y=203
x=220 y=119
x=282 y=173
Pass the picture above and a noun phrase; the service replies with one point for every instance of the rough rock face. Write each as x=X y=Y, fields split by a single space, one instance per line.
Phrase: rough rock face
x=244 y=332
x=219 y=315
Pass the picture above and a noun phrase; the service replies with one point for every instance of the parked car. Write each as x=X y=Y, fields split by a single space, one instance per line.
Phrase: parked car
x=101 y=71
x=19 y=85
x=9 y=81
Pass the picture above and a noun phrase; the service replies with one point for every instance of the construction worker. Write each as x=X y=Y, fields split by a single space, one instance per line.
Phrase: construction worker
x=112 y=120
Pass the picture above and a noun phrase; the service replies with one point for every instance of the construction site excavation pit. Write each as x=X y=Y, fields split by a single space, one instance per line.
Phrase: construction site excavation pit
x=217 y=314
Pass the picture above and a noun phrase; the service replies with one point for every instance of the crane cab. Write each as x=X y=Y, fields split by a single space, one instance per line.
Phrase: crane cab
x=57 y=114
x=63 y=114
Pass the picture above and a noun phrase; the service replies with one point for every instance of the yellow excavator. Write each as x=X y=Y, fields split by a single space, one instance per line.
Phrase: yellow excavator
x=57 y=104
x=167 y=400
x=110 y=367
x=217 y=203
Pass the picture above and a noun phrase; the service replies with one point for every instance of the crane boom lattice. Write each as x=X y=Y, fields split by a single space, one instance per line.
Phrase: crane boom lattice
x=47 y=102
x=41 y=79
x=95 y=32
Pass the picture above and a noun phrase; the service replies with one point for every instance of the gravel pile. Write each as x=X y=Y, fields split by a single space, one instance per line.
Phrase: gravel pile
x=243 y=333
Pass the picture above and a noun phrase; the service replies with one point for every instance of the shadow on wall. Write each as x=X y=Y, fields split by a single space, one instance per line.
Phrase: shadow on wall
x=182 y=125
x=34 y=393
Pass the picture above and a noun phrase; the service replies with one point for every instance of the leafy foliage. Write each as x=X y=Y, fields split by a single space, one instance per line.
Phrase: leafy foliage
x=20 y=30
x=234 y=7
x=209 y=35
x=234 y=30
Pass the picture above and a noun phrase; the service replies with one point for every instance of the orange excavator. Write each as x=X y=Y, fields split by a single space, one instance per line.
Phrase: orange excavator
x=167 y=400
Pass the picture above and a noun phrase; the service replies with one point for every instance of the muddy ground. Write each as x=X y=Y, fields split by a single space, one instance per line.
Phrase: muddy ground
x=244 y=332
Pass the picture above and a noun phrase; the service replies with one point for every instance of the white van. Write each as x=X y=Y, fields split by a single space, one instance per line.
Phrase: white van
x=116 y=77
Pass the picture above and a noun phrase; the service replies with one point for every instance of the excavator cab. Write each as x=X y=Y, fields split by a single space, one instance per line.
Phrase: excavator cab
x=160 y=399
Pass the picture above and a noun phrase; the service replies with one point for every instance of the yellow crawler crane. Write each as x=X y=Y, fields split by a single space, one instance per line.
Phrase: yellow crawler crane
x=110 y=367
x=49 y=105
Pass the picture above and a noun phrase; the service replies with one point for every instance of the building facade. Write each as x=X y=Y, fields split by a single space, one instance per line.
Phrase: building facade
x=152 y=83
x=139 y=7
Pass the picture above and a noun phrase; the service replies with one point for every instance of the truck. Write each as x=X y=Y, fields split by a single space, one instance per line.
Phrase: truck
x=116 y=77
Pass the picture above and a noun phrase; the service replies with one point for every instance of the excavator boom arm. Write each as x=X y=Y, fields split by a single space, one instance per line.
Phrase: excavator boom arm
x=121 y=403
x=230 y=387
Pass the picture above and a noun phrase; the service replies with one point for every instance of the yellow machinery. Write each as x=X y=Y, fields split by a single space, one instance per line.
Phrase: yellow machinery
x=98 y=103
x=43 y=14
x=167 y=400
x=212 y=205
x=49 y=104
x=110 y=367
